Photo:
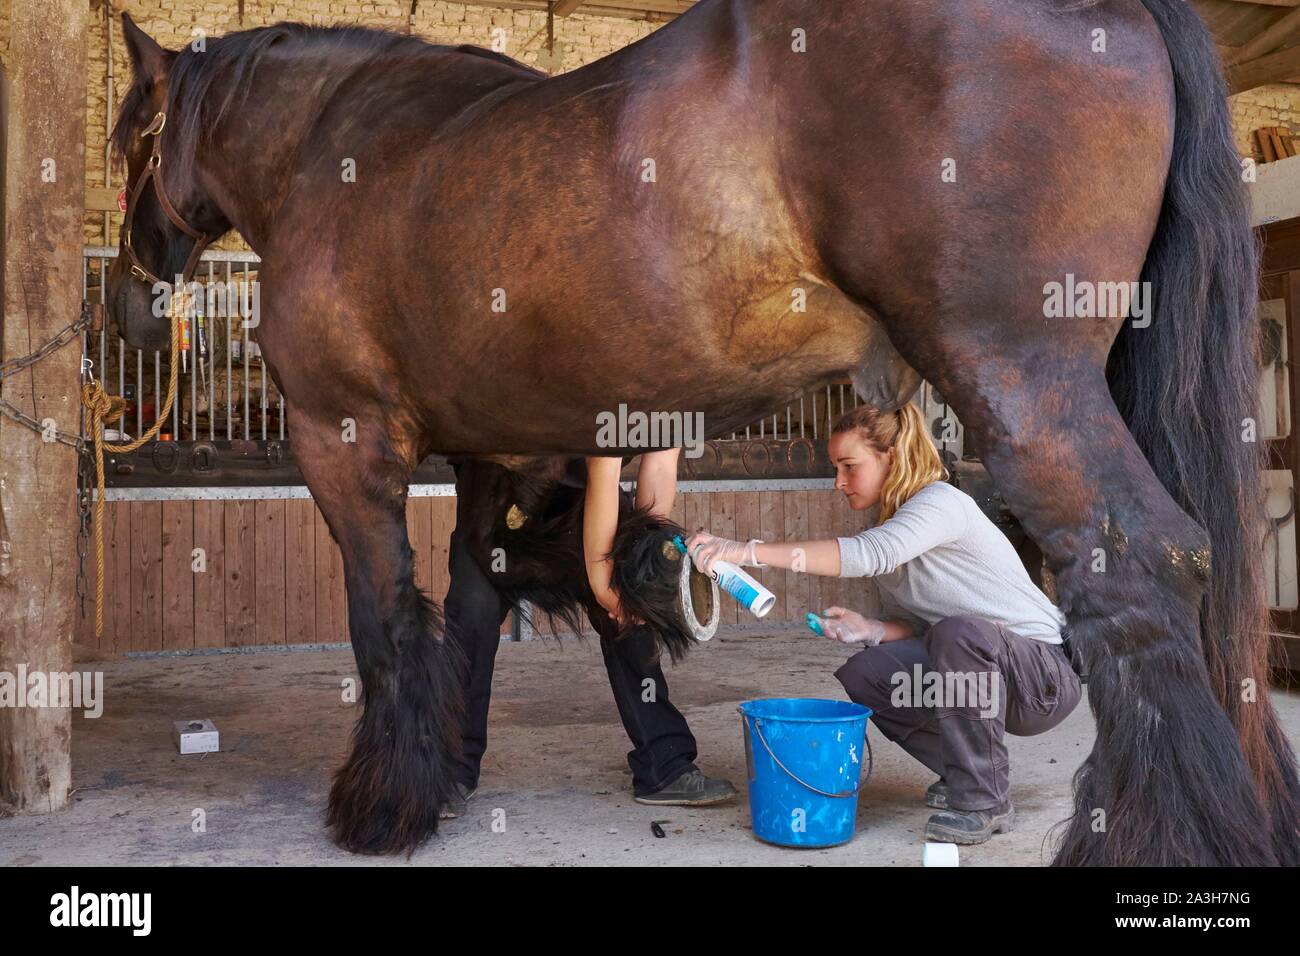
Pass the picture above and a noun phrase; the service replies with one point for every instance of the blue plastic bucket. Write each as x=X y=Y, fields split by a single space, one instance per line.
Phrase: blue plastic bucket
x=805 y=763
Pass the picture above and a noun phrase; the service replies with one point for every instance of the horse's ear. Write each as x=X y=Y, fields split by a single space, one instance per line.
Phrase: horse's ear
x=148 y=58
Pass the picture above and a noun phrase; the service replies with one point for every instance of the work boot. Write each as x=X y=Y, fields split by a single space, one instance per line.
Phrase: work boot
x=937 y=795
x=456 y=806
x=970 y=826
x=691 y=789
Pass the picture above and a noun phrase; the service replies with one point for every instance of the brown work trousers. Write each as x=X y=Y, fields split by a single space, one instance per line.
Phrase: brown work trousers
x=947 y=698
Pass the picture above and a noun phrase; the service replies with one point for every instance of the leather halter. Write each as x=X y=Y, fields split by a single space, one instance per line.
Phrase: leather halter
x=152 y=173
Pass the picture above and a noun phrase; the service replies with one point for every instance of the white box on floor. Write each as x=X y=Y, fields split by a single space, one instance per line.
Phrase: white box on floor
x=196 y=736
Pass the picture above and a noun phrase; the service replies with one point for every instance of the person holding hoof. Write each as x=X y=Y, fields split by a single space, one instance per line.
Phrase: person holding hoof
x=664 y=749
x=965 y=648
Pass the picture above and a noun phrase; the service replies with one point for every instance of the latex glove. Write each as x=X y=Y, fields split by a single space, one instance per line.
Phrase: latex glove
x=705 y=549
x=850 y=627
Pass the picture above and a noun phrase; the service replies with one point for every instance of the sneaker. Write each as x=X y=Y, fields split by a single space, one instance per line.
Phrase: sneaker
x=691 y=789
x=937 y=795
x=455 y=807
x=970 y=826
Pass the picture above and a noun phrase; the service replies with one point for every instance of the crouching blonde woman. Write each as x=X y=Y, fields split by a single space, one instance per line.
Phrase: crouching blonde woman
x=955 y=600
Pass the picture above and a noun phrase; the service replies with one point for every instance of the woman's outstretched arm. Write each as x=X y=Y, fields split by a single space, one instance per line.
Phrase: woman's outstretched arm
x=599 y=525
x=808 y=557
x=926 y=520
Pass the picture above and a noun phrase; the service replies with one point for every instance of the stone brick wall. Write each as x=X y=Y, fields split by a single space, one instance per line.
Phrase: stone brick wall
x=1277 y=105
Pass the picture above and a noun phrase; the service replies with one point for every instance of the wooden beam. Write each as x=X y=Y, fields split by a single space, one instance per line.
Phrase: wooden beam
x=565 y=7
x=1275 y=68
x=1269 y=40
x=44 y=194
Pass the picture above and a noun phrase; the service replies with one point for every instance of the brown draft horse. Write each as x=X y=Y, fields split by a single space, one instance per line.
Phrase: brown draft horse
x=518 y=254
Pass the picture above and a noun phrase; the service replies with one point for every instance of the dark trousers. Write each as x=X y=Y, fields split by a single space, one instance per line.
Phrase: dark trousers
x=662 y=744
x=960 y=735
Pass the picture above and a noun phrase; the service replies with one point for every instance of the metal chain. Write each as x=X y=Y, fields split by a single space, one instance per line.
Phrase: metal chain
x=53 y=345
x=78 y=441
x=16 y=365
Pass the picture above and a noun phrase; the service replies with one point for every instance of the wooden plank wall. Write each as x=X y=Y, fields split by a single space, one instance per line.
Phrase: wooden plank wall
x=274 y=575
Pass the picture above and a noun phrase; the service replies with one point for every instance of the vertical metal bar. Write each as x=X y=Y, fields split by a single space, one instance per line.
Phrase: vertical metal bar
x=176 y=405
x=194 y=379
x=830 y=421
x=211 y=331
x=180 y=389
x=101 y=369
x=801 y=417
x=243 y=350
x=121 y=373
x=157 y=396
x=261 y=378
x=200 y=314
x=814 y=414
x=230 y=394
x=212 y=378
x=85 y=352
x=139 y=393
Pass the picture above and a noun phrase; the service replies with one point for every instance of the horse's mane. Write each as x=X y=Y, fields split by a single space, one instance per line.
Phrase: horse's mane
x=236 y=56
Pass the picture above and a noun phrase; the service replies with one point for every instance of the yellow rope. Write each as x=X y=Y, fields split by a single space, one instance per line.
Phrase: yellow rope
x=105 y=409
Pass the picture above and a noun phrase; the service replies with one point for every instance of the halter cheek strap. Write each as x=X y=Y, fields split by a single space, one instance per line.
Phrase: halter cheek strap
x=152 y=174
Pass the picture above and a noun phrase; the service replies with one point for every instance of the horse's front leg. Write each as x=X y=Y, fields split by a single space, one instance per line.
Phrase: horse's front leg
x=386 y=797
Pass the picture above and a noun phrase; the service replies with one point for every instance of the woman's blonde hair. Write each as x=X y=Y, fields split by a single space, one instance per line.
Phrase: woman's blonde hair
x=916 y=460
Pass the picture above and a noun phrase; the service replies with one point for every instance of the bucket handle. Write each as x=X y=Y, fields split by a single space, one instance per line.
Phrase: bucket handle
x=866 y=739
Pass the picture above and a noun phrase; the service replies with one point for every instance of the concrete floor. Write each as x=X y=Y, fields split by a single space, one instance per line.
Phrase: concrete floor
x=556 y=767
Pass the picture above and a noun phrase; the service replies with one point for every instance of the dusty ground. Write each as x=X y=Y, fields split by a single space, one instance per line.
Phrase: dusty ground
x=555 y=766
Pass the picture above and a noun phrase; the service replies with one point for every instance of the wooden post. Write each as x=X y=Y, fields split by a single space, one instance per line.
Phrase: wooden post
x=44 y=185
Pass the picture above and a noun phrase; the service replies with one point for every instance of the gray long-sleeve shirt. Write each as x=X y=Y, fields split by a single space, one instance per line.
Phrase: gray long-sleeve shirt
x=939 y=556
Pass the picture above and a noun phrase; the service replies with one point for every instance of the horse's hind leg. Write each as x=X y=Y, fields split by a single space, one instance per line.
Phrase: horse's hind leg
x=386 y=797
x=1166 y=782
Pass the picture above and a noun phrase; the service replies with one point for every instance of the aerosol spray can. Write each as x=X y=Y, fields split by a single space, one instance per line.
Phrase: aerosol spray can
x=738 y=584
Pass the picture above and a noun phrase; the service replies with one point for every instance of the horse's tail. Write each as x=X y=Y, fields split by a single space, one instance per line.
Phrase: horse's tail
x=1187 y=386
